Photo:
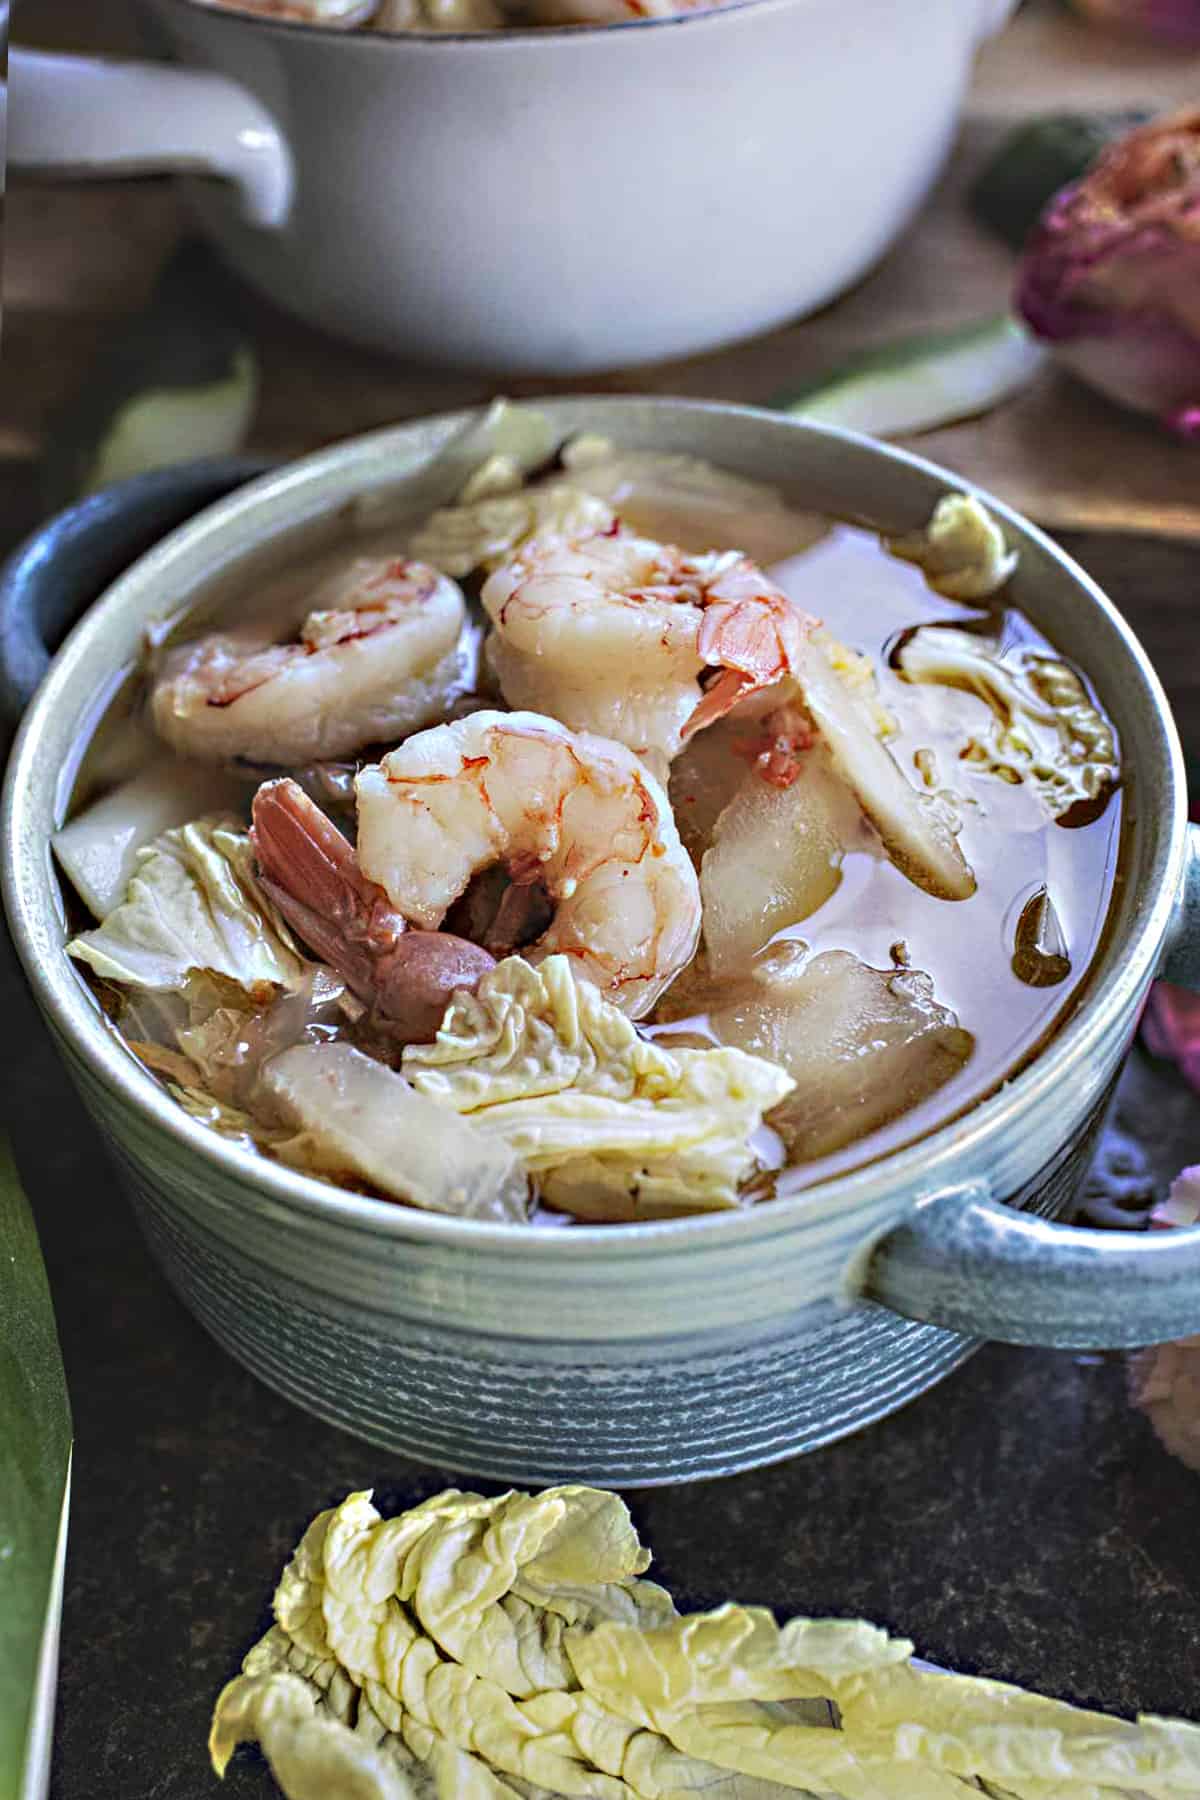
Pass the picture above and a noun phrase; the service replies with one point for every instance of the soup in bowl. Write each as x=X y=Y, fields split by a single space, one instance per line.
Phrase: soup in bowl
x=588 y=906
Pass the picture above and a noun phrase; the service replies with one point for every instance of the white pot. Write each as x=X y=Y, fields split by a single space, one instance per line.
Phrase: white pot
x=555 y=201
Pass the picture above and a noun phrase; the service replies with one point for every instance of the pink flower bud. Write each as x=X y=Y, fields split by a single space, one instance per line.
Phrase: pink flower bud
x=1167 y=21
x=1110 y=279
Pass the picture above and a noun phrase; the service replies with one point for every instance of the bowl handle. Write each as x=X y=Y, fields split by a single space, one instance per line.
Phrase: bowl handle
x=964 y=1261
x=86 y=117
x=1181 y=954
x=51 y=580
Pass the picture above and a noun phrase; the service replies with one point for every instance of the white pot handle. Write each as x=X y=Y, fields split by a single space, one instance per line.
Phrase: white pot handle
x=85 y=117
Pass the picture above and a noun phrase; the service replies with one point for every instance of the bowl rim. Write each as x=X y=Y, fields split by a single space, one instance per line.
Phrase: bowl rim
x=65 y=1003
x=489 y=42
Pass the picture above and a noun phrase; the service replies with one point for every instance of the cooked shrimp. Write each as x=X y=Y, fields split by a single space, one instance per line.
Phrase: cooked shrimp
x=377 y=656
x=313 y=875
x=610 y=12
x=346 y=14
x=576 y=816
x=613 y=633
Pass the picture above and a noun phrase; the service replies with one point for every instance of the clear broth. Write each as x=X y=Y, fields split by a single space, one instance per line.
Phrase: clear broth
x=869 y=600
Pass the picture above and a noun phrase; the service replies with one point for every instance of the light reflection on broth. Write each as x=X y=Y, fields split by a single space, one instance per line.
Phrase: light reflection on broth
x=876 y=945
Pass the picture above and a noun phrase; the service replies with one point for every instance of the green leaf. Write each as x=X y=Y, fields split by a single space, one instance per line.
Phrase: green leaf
x=35 y=1458
x=923 y=382
x=1037 y=159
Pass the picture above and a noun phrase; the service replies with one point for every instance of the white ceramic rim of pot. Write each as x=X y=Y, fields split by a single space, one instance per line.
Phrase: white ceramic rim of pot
x=1110 y=990
x=489 y=42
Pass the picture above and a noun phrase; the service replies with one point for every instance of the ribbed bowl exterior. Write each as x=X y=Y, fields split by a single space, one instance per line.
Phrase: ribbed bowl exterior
x=429 y=1361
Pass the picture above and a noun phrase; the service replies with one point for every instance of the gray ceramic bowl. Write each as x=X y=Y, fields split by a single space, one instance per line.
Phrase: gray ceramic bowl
x=658 y=1352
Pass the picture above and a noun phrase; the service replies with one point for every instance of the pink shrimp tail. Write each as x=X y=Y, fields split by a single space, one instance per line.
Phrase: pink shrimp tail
x=313 y=876
x=752 y=633
x=311 y=873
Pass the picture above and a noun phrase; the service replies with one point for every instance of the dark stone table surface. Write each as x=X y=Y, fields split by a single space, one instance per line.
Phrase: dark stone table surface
x=1020 y=1520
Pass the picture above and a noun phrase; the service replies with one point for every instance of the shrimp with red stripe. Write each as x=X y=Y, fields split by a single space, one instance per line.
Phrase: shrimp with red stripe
x=377 y=654
x=569 y=836
x=637 y=640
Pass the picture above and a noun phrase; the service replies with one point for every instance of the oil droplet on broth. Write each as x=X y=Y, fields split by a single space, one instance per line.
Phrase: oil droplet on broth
x=1040 y=956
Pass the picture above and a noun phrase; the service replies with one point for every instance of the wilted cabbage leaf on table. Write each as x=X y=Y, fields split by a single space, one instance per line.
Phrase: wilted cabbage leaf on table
x=612 y=1125
x=313 y=1756
x=977 y=1727
x=509 y=1581
x=508 y=1649
x=494 y=1583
